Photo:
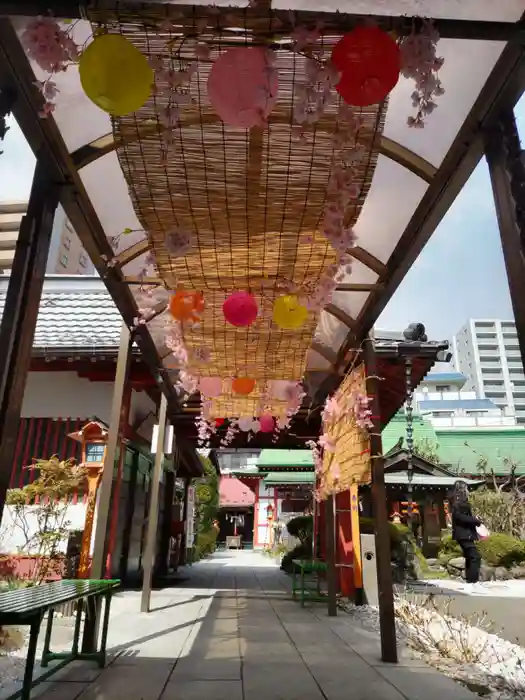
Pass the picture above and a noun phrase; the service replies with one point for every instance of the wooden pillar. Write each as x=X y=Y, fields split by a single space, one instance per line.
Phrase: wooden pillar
x=169 y=492
x=331 y=572
x=387 y=620
x=184 y=555
x=151 y=532
x=506 y=163
x=94 y=475
x=20 y=313
x=128 y=520
x=114 y=441
x=115 y=503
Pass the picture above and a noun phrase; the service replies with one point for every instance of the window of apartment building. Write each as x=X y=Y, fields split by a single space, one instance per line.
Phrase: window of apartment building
x=82 y=259
x=66 y=242
x=474 y=414
x=484 y=324
x=64 y=260
x=508 y=325
x=69 y=227
x=442 y=414
x=442 y=387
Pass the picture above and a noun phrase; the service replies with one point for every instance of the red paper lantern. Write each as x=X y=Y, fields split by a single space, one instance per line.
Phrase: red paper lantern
x=186 y=306
x=369 y=61
x=240 y=309
x=243 y=386
x=219 y=422
x=267 y=423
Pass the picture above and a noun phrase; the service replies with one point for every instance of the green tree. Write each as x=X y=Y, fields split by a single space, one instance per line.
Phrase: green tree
x=427 y=449
x=39 y=510
x=206 y=508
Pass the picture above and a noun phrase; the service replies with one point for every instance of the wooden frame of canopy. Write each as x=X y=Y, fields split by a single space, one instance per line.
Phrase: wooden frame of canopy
x=503 y=87
x=488 y=126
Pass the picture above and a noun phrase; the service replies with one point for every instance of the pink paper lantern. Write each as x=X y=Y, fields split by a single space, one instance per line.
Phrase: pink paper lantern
x=240 y=309
x=266 y=422
x=243 y=87
x=282 y=389
x=245 y=423
x=210 y=387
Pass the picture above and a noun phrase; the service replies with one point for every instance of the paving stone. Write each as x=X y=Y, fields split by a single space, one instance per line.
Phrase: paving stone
x=144 y=681
x=51 y=690
x=419 y=683
x=204 y=690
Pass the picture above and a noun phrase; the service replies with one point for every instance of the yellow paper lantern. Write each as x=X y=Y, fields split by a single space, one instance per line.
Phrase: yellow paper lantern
x=115 y=75
x=288 y=312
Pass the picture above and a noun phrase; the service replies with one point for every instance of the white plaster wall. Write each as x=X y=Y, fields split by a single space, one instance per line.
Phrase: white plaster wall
x=64 y=395
x=12 y=536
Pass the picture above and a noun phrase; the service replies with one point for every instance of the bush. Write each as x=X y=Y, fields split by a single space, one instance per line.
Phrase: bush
x=501 y=511
x=502 y=550
x=406 y=556
x=205 y=543
x=301 y=527
x=448 y=549
x=301 y=551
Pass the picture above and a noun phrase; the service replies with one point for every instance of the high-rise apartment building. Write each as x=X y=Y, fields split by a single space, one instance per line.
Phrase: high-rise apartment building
x=66 y=253
x=486 y=351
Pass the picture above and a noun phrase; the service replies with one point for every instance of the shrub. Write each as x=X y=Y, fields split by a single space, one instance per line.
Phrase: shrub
x=301 y=527
x=501 y=511
x=502 y=550
x=448 y=549
x=302 y=551
x=404 y=552
x=205 y=543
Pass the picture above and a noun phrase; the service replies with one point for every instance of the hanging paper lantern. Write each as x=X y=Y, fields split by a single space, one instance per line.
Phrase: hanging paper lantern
x=281 y=389
x=210 y=387
x=369 y=61
x=266 y=423
x=219 y=422
x=240 y=309
x=243 y=386
x=243 y=87
x=186 y=306
x=288 y=312
x=245 y=423
x=115 y=75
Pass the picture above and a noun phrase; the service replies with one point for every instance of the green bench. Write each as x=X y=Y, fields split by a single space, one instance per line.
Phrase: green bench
x=309 y=584
x=28 y=607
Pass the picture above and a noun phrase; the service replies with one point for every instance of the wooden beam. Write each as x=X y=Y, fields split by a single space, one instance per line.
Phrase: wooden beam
x=45 y=139
x=340 y=315
x=148 y=561
x=358 y=287
x=20 y=312
x=133 y=252
x=331 y=571
x=387 y=620
x=507 y=173
x=368 y=260
x=475 y=30
x=114 y=436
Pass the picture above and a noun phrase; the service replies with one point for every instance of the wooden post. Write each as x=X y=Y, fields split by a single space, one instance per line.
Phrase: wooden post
x=93 y=479
x=114 y=440
x=153 y=513
x=387 y=620
x=169 y=491
x=507 y=173
x=20 y=314
x=331 y=572
x=356 y=541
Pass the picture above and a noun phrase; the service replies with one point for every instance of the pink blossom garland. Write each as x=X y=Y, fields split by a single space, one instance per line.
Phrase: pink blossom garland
x=420 y=63
x=174 y=341
x=231 y=433
x=53 y=50
x=205 y=427
x=173 y=84
x=361 y=410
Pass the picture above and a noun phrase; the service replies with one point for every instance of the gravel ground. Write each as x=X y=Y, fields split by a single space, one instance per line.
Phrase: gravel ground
x=489 y=665
x=12 y=664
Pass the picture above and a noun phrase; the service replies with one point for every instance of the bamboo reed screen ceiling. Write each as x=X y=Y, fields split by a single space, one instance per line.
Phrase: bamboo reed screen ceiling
x=247 y=196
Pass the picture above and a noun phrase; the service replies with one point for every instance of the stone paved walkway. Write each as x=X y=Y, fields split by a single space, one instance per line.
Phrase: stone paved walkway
x=231 y=632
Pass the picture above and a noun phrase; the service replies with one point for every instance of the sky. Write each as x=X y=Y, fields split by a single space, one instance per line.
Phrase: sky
x=459 y=275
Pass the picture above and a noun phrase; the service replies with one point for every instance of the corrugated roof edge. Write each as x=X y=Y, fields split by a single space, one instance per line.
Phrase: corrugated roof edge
x=65 y=284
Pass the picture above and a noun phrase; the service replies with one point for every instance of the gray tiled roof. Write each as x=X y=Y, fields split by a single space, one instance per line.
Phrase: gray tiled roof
x=75 y=312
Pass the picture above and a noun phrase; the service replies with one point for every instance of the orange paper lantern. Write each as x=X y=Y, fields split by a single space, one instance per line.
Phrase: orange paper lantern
x=369 y=61
x=186 y=306
x=243 y=386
